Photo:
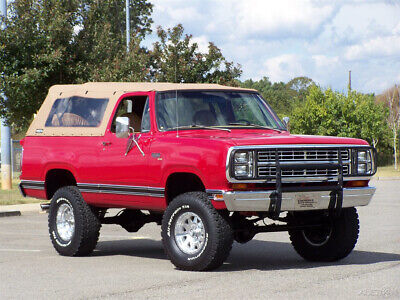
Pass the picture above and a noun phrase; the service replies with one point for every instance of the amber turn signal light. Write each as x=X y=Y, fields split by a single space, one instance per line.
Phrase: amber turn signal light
x=356 y=183
x=239 y=186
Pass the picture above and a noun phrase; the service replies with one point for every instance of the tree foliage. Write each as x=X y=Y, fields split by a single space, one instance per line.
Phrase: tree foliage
x=176 y=58
x=49 y=42
x=282 y=97
x=391 y=100
x=336 y=114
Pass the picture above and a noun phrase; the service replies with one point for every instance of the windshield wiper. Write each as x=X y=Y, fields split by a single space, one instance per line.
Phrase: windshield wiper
x=256 y=126
x=203 y=127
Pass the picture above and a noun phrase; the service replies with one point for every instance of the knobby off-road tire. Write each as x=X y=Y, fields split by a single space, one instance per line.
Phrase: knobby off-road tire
x=68 y=206
x=331 y=243
x=212 y=236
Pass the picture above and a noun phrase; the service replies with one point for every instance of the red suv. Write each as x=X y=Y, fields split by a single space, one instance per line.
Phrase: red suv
x=208 y=163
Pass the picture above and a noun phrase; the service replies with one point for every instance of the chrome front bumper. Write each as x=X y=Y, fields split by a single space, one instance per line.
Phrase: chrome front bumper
x=295 y=201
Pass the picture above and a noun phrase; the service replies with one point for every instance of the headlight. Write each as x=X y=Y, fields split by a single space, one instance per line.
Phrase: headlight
x=242 y=157
x=241 y=171
x=362 y=156
x=364 y=162
x=243 y=166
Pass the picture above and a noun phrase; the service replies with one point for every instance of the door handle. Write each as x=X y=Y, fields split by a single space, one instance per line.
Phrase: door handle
x=106 y=143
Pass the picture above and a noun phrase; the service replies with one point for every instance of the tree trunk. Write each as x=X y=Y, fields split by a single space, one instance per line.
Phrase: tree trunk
x=375 y=143
x=395 y=147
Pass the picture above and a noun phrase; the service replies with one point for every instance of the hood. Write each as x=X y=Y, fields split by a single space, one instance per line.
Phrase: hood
x=239 y=137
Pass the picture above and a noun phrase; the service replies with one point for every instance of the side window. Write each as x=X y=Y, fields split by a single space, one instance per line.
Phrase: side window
x=77 y=112
x=146 y=117
x=133 y=108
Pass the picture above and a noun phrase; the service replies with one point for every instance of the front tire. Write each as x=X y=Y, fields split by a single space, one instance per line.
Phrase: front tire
x=331 y=242
x=73 y=225
x=196 y=237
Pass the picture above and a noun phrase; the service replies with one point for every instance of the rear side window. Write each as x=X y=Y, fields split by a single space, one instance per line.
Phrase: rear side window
x=77 y=112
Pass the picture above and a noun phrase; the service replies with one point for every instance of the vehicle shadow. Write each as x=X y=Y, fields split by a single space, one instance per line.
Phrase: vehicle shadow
x=259 y=255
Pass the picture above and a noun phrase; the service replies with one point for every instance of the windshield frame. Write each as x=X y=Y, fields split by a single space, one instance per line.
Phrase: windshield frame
x=261 y=101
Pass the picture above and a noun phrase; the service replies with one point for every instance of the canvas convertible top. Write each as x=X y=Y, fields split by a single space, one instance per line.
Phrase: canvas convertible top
x=112 y=91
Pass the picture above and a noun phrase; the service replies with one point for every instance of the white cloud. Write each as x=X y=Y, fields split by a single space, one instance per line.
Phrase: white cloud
x=323 y=61
x=283 y=67
x=378 y=47
x=281 y=18
x=202 y=42
x=321 y=39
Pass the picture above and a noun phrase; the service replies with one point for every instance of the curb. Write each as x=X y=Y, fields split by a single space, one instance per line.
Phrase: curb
x=11 y=213
x=19 y=209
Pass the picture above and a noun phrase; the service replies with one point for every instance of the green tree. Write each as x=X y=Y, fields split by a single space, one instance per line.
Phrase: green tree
x=36 y=51
x=282 y=97
x=391 y=100
x=336 y=114
x=49 y=42
x=100 y=43
x=176 y=58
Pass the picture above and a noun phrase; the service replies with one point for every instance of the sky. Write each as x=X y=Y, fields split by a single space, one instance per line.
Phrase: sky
x=283 y=39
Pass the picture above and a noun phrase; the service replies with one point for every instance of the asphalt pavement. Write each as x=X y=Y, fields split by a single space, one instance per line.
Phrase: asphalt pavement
x=128 y=265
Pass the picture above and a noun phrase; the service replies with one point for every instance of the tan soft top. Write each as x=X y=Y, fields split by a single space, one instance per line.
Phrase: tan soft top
x=111 y=90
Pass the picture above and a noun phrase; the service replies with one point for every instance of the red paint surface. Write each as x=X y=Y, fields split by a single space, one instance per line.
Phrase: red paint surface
x=201 y=152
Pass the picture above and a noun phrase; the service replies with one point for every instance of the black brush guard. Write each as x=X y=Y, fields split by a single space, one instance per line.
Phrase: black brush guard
x=336 y=196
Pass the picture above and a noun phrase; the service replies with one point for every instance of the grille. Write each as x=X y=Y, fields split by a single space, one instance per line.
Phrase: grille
x=266 y=162
x=267 y=171
x=302 y=155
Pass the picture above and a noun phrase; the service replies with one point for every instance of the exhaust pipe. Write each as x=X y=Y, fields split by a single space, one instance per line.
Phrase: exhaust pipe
x=45 y=206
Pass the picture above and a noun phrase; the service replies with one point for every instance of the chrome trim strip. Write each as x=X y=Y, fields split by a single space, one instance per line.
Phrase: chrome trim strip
x=33 y=187
x=32 y=184
x=260 y=200
x=121 y=189
x=311 y=146
x=35 y=182
x=301 y=162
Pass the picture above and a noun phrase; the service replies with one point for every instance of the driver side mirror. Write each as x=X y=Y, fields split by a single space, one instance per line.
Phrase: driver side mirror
x=122 y=127
x=286 y=121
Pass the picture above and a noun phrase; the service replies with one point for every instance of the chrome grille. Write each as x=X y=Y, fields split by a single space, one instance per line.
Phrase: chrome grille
x=316 y=157
x=269 y=171
x=302 y=155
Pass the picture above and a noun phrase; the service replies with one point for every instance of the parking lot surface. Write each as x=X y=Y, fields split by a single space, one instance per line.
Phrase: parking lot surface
x=128 y=265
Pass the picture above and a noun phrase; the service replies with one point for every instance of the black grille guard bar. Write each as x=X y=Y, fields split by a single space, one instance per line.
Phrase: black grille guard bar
x=336 y=196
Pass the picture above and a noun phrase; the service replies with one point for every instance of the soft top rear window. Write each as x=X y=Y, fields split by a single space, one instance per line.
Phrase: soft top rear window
x=77 y=112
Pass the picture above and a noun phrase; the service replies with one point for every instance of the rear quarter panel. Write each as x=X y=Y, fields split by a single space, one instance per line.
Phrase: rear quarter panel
x=79 y=155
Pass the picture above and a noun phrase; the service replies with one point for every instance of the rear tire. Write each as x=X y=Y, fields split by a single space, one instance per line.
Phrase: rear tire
x=74 y=226
x=196 y=237
x=329 y=243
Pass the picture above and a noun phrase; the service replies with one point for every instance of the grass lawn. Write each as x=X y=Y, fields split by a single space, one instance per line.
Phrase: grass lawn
x=14 y=196
x=388 y=171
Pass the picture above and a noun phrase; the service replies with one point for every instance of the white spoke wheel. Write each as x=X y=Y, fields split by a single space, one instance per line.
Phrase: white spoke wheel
x=190 y=233
x=195 y=235
x=65 y=221
x=74 y=226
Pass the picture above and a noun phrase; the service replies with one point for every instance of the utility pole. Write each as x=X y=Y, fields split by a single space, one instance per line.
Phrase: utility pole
x=6 y=176
x=349 y=81
x=128 y=25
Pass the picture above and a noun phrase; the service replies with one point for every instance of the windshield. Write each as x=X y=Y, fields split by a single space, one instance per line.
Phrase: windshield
x=227 y=109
